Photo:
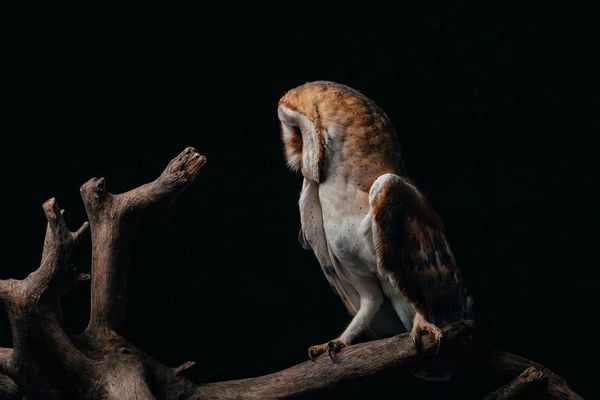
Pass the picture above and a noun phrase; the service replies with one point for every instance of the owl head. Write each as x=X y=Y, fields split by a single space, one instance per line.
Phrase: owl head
x=322 y=121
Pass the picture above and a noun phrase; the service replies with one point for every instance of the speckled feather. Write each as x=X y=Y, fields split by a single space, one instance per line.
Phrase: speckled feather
x=412 y=248
x=370 y=147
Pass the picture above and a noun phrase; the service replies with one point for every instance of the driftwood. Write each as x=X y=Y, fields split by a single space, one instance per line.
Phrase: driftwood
x=529 y=382
x=46 y=362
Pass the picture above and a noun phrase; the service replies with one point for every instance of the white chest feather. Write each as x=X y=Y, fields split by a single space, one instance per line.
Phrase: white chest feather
x=347 y=225
x=336 y=222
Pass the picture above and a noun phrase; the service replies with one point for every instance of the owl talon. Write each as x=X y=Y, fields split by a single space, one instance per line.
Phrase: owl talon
x=334 y=346
x=316 y=351
x=416 y=342
x=329 y=349
x=422 y=325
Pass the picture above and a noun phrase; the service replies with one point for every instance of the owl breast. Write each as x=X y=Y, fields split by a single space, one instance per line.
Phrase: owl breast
x=347 y=226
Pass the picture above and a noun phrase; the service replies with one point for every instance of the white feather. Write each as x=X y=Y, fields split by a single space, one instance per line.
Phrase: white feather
x=291 y=121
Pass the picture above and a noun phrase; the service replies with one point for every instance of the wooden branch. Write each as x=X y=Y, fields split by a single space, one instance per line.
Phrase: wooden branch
x=508 y=365
x=528 y=382
x=5 y=359
x=48 y=363
x=9 y=389
x=357 y=361
x=397 y=352
x=179 y=371
x=113 y=219
x=127 y=381
x=31 y=306
x=53 y=278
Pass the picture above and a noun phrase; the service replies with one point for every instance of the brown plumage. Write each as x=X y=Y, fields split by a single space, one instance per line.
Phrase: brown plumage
x=369 y=148
x=411 y=247
x=380 y=244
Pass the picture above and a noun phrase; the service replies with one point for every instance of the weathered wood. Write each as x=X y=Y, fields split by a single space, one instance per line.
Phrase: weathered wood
x=9 y=389
x=502 y=363
x=529 y=382
x=48 y=363
x=5 y=357
x=113 y=220
x=357 y=361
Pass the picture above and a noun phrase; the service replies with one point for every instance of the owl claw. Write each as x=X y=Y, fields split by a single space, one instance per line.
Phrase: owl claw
x=334 y=346
x=422 y=325
x=316 y=351
x=416 y=342
x=329 y=348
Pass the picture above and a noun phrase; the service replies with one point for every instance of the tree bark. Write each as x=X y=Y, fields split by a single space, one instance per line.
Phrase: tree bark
x=529 y=383
x=8 y=388
x=357 y=361
x=46 y=362
x=507 y=365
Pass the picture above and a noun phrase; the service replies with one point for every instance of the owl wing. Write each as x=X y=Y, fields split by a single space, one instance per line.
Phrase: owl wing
x=312 y=236
x=412 y=249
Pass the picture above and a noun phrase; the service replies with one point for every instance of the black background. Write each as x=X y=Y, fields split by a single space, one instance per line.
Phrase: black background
x=495 y=108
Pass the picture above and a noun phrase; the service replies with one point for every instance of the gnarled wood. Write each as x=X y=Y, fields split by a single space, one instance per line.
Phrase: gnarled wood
x=508 y=365
x=9 y=389
x=357 y=361
x=31 y=307
x=529 y=382
x=45 y=361
x=113 y=220
x=48 y=363
x=366 y=359
x=5 y=356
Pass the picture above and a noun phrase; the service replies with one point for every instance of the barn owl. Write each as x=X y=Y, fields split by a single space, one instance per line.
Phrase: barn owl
x=380 y=244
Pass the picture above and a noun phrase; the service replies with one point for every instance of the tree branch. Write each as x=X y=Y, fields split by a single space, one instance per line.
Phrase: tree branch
x=9 y=389
x=507 y=365
x=528 y=382
x=39 y=343
x=47 y=363
x=113 y=219
x=53 y=278
x=357 y=361
x=7 y=287
x=398 y=352
x=5 y=359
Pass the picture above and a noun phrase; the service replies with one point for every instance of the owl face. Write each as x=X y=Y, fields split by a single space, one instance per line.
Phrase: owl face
x=303 y=143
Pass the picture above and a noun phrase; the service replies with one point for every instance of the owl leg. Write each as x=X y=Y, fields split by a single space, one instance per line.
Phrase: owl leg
x=371 y=298
x=421 y=325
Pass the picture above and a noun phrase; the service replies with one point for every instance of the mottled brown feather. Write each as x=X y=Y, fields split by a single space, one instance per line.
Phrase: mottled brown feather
x=370 y=146
x=412 y=249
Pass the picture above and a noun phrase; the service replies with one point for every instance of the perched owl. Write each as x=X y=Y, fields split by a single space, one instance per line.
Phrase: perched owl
x=380 y=244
